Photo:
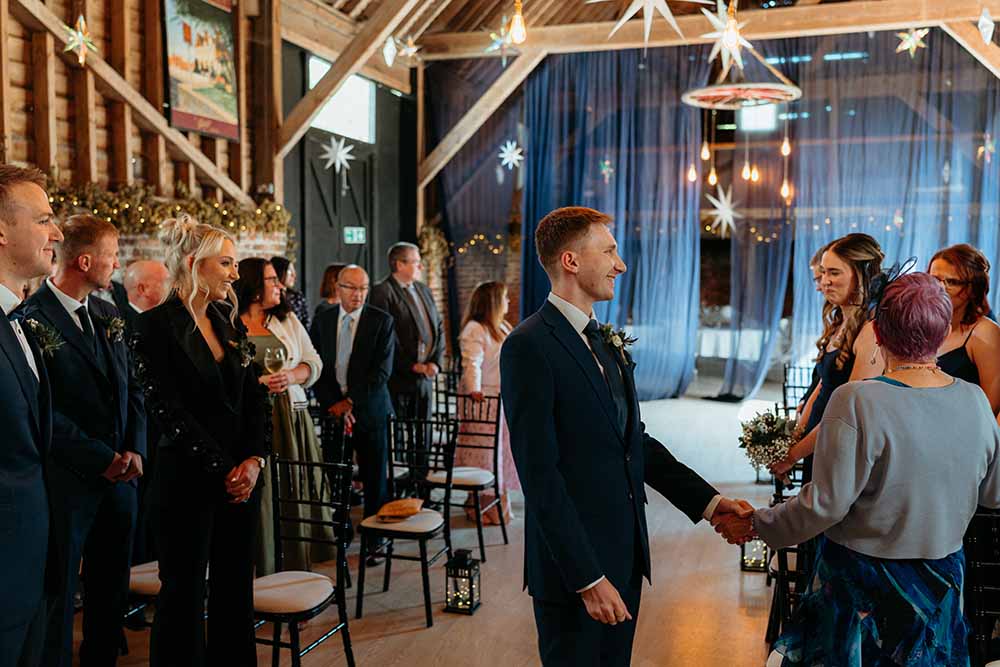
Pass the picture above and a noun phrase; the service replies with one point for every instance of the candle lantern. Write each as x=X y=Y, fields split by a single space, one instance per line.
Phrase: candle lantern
x=753 y=556
x=462 y=585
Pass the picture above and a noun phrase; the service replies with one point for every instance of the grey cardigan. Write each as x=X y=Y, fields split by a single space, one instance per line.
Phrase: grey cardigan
x=898 y=472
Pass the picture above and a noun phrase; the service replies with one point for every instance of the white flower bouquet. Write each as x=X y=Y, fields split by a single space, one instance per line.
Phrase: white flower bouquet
x=767 y=438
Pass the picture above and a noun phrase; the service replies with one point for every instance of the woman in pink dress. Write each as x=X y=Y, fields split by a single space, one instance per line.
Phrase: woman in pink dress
x=483 y=332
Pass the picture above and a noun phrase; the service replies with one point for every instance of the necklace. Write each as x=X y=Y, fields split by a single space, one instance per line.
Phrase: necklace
x=916 y=367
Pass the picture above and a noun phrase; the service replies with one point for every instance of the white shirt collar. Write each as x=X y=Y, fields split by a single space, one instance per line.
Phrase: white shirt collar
x=135 y=307
x=8 y=300
x=69 y=303
x=577 y=318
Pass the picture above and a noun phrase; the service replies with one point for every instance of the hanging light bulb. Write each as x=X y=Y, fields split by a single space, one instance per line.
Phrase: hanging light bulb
x=754 y=174
x=746 y=171
x=786 y=190
x=692 y=174
x=713 y=178
x=706 y=154
x=786 y=147
x=518 y=31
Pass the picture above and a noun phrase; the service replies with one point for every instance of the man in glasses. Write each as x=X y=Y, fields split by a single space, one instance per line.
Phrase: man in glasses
x=355 y=342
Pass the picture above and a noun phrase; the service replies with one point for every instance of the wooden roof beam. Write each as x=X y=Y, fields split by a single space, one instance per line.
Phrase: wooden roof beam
x=967 y=34
x=368 y=41
x=784 y=22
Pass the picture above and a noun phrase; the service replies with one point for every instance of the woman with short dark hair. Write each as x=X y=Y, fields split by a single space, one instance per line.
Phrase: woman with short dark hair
x=894 y=488
x=328 y=296
x=288 y=277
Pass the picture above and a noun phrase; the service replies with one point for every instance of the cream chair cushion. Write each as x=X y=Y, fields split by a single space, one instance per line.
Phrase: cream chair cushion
x=463 y=476
x=290 y=592
x=424 y=521
x=144 y=579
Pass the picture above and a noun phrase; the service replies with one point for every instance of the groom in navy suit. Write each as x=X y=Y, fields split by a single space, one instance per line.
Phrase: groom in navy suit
x=583 y=454
x=27 y=237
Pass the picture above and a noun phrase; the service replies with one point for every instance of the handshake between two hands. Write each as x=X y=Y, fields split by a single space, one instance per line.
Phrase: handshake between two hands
x=733 y=519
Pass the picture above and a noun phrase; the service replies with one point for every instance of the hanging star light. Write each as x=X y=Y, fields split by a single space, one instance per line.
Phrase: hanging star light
x=389 y=51
x=337 y=154
x=724 y=213
x=986 y=151
x=648 y=7
x=727 y=35
x=79 y=40
x=500 y=40
x=607 y=171
x=408 y=49
x=986 y=25
x=510 y=155
x=911 y=40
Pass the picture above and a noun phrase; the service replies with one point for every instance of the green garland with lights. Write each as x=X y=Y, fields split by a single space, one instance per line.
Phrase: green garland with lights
x=137 y=210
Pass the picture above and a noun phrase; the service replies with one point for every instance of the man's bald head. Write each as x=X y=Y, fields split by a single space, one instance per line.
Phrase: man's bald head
x=147 y=283
x=352 y=287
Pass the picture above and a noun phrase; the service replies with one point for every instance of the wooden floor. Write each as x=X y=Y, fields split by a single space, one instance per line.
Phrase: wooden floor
x=701 y=611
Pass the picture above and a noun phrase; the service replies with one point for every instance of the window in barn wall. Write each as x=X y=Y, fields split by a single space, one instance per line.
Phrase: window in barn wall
x=349 y=113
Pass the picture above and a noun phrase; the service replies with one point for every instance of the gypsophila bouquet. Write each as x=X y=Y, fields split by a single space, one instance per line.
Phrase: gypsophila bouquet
x=767 y=438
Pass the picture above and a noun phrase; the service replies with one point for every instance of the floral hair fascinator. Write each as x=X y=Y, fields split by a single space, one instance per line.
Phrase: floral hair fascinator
x=878 y=284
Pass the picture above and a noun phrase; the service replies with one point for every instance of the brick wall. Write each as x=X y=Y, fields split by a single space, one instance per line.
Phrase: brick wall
x=131 y=248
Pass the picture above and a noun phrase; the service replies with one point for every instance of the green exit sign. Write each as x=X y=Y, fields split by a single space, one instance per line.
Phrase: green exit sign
x=355 y=235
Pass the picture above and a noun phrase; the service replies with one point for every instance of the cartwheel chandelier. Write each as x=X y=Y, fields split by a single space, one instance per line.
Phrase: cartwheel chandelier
x=736 y=92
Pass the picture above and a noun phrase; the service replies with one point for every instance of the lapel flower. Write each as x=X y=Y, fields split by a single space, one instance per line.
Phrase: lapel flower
x=617 y=338
x=114 y=327
x=246 y=349
x=47 y=338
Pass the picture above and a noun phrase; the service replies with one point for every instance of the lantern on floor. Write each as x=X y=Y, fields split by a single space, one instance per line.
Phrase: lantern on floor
x=462 y=585
x=753 y=556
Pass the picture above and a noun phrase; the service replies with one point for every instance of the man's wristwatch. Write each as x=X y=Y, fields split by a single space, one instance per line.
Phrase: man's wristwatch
x=261 y=461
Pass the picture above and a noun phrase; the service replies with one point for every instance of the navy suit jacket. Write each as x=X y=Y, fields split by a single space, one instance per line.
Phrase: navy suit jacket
x=368 y=370
x=389 y=297
x=26 y=425
x=97 y=410
x=583 y=478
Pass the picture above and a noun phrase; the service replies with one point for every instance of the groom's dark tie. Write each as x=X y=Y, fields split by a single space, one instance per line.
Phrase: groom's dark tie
x=612 y=371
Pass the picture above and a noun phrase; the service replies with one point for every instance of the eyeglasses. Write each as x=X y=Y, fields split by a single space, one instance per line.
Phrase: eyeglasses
x=272 y=279
x=352 y=288
x=951 y=283
x=418 y=262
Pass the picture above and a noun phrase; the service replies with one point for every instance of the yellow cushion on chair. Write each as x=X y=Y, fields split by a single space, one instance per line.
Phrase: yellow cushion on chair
x=290 y=592
x=144 y=579
x=424 y=521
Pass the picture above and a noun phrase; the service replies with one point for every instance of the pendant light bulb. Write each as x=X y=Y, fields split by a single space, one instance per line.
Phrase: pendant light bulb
x=518 y=31
x=746 y=171
x=786 y=190
x=786 y=147
x=692 y=174
x=706 y=154
x=713 y=178
x=754 y=174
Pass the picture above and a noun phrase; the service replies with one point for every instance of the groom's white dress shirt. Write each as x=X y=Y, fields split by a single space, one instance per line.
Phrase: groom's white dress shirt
x=8 y=302
x=579 y=321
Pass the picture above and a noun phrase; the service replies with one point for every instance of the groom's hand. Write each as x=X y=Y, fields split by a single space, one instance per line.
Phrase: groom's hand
x=604 y=604
x=732 y=520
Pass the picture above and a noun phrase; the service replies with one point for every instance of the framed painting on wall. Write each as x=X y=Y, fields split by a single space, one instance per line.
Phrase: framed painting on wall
x=201 y=66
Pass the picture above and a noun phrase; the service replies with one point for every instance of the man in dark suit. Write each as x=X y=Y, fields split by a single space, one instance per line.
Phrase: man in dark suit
x=356 y=345
x=98 y=443
x=420 y=342
x=583 y=454
x=27 y=237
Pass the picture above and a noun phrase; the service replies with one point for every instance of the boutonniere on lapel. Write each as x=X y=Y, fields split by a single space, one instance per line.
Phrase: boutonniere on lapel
x=114 y=327
x=246 y=349
x=618 y=340
x=47 y=338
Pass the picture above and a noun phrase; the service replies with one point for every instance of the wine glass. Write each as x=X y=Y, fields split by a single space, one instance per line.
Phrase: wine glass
x=274 y=359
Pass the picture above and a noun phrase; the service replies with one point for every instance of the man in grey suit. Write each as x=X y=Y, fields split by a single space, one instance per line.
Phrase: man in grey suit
x=419 y=331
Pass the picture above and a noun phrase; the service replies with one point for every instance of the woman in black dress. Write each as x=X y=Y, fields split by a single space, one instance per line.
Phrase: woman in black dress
x=971 y=351
x=194 y=362
x=847 y=349
x=287 y=276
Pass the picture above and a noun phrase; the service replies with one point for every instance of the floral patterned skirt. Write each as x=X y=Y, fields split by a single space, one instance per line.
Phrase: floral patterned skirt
x=861 y=611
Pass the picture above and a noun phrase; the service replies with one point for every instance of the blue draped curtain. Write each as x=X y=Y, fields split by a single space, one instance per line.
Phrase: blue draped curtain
x=903 y=164
x=622 y=109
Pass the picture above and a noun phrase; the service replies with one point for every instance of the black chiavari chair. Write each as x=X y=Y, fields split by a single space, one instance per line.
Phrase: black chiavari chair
x=982 y=586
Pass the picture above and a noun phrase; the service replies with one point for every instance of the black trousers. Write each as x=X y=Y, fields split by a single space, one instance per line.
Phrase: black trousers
x=416 y=403
x=370 y=441
x=96 y=526
x=21 y=645
x=195 y=528
x=569 y=637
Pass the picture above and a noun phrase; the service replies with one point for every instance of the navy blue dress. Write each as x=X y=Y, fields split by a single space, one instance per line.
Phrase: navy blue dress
x=830 y=378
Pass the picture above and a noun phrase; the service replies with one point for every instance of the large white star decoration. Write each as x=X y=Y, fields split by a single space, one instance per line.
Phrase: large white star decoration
x=648 y=7
x=724 y=213
x=408 y=49
x=510 y=155
x=986 y=25
x=500 y=40
x=337 y=154
x=728 y=40
x=79 y=40
x=389 y=51
x=986 y=151
x=911 y=40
